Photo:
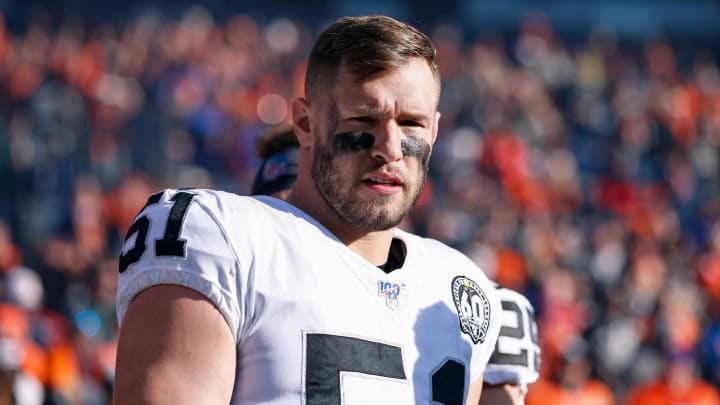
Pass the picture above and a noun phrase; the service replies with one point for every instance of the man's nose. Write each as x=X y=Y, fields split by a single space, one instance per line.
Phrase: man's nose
x=387 y=145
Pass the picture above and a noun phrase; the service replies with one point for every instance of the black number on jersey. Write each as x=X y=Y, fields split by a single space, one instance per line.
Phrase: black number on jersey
x=170 y=244
x=328 y=355
x=525 y=325
x=448 y=383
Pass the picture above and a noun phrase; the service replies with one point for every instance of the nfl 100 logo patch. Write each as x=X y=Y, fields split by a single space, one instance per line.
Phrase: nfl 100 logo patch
x=391 y=292
x=473 y=308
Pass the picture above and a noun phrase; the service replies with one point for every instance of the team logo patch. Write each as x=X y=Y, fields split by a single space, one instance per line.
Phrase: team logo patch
x=391 y=292
x=473 y=308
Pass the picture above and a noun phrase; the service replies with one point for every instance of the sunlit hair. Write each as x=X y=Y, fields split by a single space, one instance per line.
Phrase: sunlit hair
x=365 y=47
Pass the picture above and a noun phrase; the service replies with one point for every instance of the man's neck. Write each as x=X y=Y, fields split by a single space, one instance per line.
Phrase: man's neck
x=373 y=246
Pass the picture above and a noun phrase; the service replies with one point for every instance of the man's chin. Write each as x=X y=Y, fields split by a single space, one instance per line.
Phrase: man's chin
x=376 y=221
x=377 y=226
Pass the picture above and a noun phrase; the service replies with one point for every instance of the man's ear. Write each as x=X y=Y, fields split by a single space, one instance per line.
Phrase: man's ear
x=301 y=121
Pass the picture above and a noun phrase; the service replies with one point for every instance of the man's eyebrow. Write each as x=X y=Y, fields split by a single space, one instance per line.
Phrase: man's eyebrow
x=416 y=115
x=362 y=109
x=371 y=110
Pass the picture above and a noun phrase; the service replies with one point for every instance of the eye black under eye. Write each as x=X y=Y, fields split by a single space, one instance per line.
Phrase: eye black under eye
x=353 y=141
x=362 y=119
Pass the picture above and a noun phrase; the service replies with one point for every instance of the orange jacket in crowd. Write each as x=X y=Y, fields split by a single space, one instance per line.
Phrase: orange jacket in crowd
x=592 y=392
x=661 y=393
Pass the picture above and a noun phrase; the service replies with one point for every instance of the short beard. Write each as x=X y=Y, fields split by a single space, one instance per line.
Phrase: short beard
x=368 y=215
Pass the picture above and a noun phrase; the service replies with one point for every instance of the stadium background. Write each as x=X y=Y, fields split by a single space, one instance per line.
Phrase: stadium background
x=578 y=162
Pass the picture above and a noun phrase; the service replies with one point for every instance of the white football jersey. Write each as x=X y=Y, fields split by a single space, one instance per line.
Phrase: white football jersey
x=314 y=322
x=516 y=358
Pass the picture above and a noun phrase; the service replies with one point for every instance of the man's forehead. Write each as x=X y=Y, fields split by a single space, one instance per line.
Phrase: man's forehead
x=375 y=108
x=368 y=104
x=371 y=98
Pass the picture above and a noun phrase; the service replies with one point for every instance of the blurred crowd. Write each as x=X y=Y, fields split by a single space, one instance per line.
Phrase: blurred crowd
x=584 y=174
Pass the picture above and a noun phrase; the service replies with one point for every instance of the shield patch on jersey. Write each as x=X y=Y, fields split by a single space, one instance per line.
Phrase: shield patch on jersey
x=473 y=308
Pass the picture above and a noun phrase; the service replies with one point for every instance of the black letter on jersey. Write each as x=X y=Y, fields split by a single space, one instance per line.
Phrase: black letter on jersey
x=328 y=355
x=517 y=332
x=448 y=383
x=170 y=244
x=140 y=226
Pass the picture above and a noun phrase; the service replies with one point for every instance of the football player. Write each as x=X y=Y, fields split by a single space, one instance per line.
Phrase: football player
x=515 y=362
x=279 y=149
x=319 y=299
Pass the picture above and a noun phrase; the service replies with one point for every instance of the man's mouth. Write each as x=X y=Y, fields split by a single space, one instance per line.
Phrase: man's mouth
x=379 y=180
x=384 y=184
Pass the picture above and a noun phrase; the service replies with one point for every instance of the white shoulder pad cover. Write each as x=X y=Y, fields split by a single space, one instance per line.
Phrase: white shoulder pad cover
x=178 y=239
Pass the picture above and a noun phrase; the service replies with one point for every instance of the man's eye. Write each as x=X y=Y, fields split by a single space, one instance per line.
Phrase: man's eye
x=410 y=123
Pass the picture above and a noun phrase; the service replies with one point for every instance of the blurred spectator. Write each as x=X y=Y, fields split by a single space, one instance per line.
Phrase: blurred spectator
x=23 y=369
x=10 y=255
x=575 y=382
x=710 y=345
x=679 y=384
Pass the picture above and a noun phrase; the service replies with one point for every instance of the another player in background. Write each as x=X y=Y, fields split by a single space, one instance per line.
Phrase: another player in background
x=279 y=150
x=320 y=299
x=515 y=362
